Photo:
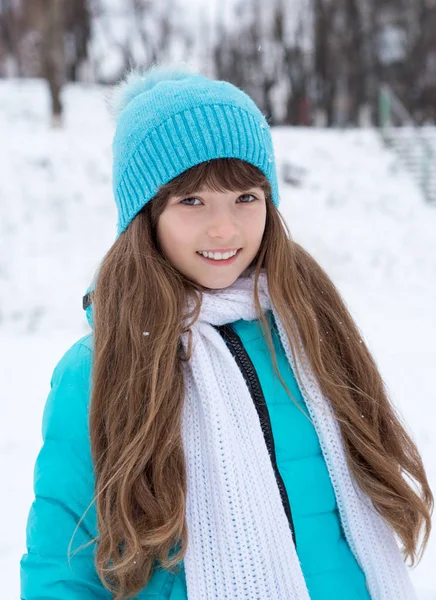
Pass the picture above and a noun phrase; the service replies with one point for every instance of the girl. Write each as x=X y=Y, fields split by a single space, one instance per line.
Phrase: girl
x=235 y=440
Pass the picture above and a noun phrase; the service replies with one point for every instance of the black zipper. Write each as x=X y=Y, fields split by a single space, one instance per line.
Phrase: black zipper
x=236 y=347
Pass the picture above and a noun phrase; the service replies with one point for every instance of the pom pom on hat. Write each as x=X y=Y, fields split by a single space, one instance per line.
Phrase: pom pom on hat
x=137 y=80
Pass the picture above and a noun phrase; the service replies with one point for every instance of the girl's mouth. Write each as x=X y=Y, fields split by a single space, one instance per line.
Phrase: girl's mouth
x=222 y=262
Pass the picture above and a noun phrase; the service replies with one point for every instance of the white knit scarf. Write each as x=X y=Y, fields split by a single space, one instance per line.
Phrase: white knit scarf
x=240 y=544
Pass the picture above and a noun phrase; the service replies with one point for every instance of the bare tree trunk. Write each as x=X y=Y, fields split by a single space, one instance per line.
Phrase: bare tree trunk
x=53 y=55
x=418 y=59
x=324 y=81
x=78 y=25
x=10 y=37
x=356 y=70
x=294 y=63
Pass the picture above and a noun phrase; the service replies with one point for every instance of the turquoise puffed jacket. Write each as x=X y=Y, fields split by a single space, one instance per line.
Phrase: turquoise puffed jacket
x=63 y=484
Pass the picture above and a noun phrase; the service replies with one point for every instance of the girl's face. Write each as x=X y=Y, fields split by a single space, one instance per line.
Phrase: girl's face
x=213 y=222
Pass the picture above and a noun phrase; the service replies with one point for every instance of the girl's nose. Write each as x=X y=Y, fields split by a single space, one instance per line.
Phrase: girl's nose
x=223 y=227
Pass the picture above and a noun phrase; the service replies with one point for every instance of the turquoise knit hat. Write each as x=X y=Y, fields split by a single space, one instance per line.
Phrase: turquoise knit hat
x=169 y=120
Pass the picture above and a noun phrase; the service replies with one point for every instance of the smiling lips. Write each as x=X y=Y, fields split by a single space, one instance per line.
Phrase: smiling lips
x=217 y=254
x=219 y=260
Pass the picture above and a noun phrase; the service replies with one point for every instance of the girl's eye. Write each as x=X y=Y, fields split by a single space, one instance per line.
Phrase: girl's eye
x=186 y=200
x=248 y=196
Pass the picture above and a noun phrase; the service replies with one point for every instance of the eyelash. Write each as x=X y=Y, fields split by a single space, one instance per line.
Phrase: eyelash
x=195 y=198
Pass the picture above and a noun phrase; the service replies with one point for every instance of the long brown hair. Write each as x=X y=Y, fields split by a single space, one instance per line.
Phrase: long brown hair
x=137 y=391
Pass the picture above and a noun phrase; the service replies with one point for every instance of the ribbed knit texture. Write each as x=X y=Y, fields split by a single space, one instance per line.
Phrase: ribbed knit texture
x=169 y=121
x=240 y=545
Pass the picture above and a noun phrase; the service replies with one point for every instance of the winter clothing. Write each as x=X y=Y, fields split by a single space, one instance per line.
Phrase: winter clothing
x=62 y=495
x=227 y=460
x=330 y=570
x=250 y=523
x=170 y=120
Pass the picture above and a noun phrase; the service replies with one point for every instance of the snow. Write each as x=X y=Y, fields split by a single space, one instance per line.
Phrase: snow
x=356 y=211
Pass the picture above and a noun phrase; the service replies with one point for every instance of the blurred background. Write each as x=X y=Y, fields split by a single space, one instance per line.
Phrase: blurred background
x=349 y=89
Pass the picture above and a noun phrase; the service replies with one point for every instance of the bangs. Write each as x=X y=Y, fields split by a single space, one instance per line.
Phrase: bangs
x=218 y=175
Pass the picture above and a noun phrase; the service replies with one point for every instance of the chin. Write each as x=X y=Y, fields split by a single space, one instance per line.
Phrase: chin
x=216 y=284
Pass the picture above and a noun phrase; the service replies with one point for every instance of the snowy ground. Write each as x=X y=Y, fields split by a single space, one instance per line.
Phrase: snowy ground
x=356 y=211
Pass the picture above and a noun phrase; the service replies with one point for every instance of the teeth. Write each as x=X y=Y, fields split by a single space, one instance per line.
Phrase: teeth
x=218 y=255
